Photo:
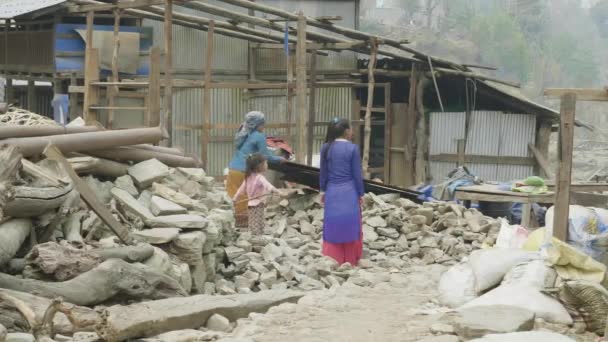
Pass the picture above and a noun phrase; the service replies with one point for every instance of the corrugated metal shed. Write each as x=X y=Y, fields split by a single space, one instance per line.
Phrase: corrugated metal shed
x=14 y=8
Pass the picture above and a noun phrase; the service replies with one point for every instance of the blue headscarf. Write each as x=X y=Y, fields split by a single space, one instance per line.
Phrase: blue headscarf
x=253 y=120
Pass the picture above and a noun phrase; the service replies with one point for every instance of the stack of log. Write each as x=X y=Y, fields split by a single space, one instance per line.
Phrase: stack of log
x=94 y=222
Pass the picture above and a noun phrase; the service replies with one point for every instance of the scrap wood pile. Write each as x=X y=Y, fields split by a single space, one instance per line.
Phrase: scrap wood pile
x=94 y=222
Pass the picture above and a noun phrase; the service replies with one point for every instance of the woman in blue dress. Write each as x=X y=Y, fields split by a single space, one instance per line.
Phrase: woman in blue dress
x=342 y=192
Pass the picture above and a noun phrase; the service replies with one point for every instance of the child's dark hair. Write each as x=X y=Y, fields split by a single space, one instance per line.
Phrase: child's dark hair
x=335 y=130
x=254 y=161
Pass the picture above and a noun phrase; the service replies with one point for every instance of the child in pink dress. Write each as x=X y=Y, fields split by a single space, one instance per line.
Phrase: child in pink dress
x=257 y=188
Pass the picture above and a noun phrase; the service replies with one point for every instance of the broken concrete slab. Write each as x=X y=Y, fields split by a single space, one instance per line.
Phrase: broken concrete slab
x=162 y=207
x=528 y=336
x=474 y=322
x=442 y=338
x=188 y=247
x=20 y=337
x=156 y=236
x=148 y=172
x=184 y=221
x=126 y=183
x=132 y=205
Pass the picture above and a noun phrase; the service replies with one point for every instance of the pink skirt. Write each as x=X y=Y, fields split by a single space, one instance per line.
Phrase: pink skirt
x=350 y=252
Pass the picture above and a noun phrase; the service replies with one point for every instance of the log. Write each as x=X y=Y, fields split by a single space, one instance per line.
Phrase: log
x=367 y=130
x=13 y=233
x=128 y=253
x=85 y=318
x=113 y=279
x=125 y=154
x=60 y=261
x=86 y=165
x=18 y=131
x=120 y=323
x=10 y=163
x=80 y=142
x=30 y=201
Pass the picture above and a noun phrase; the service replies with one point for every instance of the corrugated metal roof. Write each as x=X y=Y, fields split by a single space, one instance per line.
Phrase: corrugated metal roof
x=14 y=8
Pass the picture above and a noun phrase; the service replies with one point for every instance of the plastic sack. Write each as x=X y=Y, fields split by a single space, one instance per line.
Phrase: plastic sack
x=457 y=286
x=490 y=265
x=587 y=230
x=511 y=236
x=526 y=297
x=570 y=263
x=590 y=300
x=535 y=274
x=526 y=336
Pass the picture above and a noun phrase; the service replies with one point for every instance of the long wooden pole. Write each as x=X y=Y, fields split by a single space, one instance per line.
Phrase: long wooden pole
x=114 y=90
x=410 y=124
x=168 y=102
x=154 y=118
x=89 y=115
x=301 y=88
x=207 y=97
x=367 y=130
x=564 y=169
x=312 y=104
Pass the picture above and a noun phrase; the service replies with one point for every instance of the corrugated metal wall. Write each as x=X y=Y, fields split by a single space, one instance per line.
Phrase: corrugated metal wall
x=491 y=134
x=230 y=105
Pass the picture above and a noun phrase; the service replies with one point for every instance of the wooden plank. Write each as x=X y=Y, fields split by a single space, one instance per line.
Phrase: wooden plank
x=480 y=159
x=113 y=90
x=584 y=187
x=301 y=106
x=542 y=162
x=582 y=94
x=387 y=133
x=367 y=130
x=88 y=196
x=168 y=103
x=374 y=110
x=312 y=107
x=207 y=95
x=564 y=170
x=91 y=94
x=153 y=117
x=116 y=108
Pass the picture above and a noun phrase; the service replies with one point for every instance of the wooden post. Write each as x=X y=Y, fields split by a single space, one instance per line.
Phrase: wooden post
x=91 y=93
x=461 y=151
x=89 y=32
x=564 y=169
x=7 y=24
x=112 y=91
x=207 y=96
x=410 y=145
x=31 y=96
x=356 y=117
x=290 y=78
x=168 y=103
x=301 y=89
x=388 y=122
x=312 y=104
x=367 y=130
x=73 y=99
x=153 y=116
x=543 y=138
x=421 y=133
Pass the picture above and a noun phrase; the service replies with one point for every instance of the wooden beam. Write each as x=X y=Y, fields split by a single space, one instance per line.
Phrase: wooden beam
x=542 y=162
x=315 y=46
x=207 y=96
x=367 y=130
x=410 y=124
x=461 y=152
x=312 y=108
x=301 y=106
x=153 y=116
x=387 y=133
x=91 y=94
x=168 y=103
x=481 y=159
x=582 y=94
x=564 y=170
x=123 y=4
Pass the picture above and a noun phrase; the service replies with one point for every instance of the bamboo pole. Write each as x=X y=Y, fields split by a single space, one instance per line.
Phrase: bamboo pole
x=114 y=90
x=301 y=88
x=367 y=130
x=312 y=103
x=207 y=96
x=168 y=103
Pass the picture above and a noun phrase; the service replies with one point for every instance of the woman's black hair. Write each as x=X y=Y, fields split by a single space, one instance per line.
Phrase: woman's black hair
x=335 y=130
x=254 y=161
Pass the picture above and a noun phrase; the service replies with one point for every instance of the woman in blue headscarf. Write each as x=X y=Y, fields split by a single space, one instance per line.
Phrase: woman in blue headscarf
x=248 y=140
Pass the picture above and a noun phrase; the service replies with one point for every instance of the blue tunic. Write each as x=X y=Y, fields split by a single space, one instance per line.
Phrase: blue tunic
x=342 y=182
x=254 y=143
